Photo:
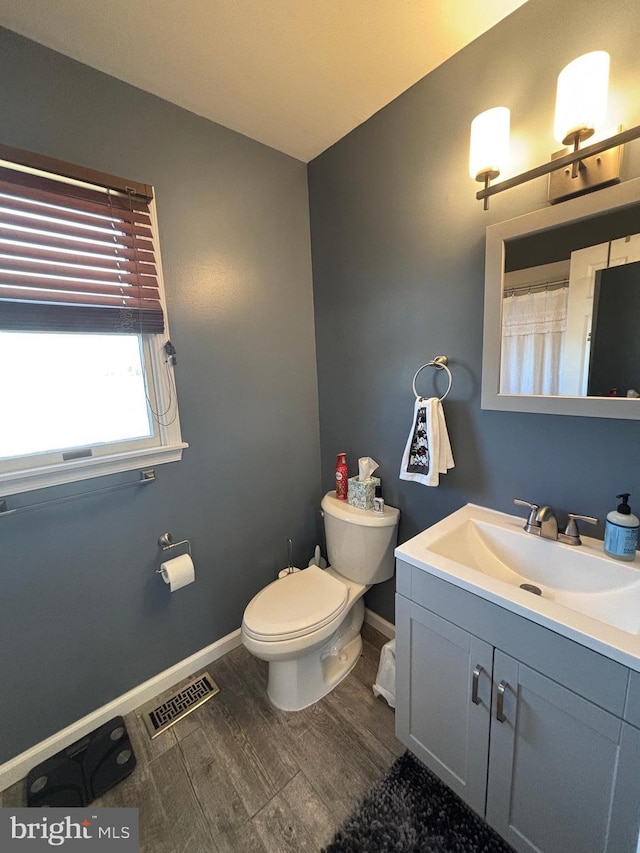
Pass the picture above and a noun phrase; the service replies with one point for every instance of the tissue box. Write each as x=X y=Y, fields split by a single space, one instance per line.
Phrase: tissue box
x=362 y=493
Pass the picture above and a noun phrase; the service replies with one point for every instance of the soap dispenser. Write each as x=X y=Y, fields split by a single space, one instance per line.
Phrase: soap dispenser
x=621 y=531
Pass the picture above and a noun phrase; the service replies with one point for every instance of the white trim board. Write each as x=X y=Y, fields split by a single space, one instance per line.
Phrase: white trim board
x=387 y=629
x=17 y=768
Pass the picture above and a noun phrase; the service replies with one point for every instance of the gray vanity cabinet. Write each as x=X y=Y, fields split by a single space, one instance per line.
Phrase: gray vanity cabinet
x=550 y=769
x=445 y=718
x=560 y=767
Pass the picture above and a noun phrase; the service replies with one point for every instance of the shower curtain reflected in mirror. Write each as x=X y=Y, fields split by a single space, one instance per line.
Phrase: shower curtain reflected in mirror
x=533 y=330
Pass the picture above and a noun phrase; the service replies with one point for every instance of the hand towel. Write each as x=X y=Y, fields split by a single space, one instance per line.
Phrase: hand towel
x=427 y=453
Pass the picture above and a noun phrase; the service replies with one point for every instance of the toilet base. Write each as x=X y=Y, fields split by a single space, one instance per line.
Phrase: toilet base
x=295 y=684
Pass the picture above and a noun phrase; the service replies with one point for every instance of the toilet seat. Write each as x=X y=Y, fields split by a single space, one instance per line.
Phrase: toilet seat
x=295 y=605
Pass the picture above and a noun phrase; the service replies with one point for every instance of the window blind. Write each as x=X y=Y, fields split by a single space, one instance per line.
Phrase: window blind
x=75 y=258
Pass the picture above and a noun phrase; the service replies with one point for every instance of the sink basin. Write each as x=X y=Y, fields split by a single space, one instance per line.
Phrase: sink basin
x=489 y=552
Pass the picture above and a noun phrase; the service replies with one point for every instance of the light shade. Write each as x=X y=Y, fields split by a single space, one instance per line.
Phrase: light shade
x=581 y=98
x=489 y=144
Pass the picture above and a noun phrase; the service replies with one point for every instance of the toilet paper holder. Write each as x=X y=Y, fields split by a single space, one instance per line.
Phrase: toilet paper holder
x=166 y=543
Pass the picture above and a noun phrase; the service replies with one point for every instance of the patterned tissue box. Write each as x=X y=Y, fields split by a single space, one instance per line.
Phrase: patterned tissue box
x=361 y=494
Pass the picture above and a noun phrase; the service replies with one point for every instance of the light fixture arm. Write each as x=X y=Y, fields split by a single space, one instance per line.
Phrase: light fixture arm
x=487 y=176
x=575 y=166
x=574 y=157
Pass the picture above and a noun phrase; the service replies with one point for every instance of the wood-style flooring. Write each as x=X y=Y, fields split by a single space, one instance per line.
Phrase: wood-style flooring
x=239 y=776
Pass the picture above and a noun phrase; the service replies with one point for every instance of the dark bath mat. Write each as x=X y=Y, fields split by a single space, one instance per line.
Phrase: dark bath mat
x=412 y=811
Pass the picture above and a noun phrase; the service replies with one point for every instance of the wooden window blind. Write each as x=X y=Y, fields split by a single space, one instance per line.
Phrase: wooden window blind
x=75 y=258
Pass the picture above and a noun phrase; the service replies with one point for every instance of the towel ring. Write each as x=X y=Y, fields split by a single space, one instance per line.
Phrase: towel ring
x=440 y=363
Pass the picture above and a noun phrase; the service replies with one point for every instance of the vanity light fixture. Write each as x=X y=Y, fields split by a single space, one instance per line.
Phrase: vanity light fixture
x=489 y=145
x=581 y=98
x=581 y=107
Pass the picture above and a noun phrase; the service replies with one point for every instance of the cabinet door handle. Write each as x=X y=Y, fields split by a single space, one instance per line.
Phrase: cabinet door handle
x=500 y=717
x=474 y=685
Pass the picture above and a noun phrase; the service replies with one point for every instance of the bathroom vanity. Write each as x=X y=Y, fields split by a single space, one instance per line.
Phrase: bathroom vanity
x=527 y=706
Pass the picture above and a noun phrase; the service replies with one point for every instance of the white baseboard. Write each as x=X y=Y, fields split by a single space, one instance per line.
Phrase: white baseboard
x=17 y=768
x=387 y=629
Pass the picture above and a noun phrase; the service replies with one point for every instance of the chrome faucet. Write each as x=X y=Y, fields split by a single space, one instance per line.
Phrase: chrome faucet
x=542 y=522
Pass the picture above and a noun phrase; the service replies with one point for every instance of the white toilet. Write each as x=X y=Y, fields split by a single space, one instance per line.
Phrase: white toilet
x=307 y=624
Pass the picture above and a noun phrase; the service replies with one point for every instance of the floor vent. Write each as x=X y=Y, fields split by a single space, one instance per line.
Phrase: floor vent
x=192 y=694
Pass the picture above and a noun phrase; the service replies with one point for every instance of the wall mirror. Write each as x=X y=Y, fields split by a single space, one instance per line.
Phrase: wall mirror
x=562 y=308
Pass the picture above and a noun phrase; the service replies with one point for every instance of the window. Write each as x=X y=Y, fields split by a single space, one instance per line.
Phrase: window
x=87 y=378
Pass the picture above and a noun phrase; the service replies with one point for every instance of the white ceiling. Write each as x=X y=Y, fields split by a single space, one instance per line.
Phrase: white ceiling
x=295 y=74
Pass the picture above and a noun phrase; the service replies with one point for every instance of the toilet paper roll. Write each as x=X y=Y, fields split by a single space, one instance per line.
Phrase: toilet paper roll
x=178 y=572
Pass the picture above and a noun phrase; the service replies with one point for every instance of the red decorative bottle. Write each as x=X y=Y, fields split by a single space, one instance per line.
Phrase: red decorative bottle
x=341 y=477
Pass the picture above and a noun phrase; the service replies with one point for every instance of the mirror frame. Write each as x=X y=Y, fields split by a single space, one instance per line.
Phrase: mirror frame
x=574 y=210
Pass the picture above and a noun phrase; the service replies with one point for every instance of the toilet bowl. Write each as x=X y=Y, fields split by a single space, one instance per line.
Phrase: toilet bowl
x=307 y=624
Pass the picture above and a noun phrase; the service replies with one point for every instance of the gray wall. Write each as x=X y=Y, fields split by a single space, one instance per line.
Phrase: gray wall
x=83 y=617
x=398 y=255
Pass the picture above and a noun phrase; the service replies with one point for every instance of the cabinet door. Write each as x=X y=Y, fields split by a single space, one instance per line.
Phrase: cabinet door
x=560 y=768
x=443 y=696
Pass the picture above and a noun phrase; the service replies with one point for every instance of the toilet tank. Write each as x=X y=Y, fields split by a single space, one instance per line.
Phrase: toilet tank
x=360 y=542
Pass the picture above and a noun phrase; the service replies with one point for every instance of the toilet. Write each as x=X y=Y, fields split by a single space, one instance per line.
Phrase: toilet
x=307 y=624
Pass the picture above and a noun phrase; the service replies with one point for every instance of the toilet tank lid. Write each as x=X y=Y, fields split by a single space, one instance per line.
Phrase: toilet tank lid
x=364 y=517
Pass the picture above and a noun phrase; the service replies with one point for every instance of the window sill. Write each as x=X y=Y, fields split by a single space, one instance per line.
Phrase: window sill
x=84 y=469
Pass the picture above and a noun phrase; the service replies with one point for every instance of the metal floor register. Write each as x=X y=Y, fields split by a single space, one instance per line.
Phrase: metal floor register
x=197 y=691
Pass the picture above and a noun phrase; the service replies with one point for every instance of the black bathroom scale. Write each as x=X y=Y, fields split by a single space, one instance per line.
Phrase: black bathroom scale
x=82 y=772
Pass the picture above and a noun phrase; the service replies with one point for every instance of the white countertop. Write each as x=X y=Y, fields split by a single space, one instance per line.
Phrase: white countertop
x=447 y=562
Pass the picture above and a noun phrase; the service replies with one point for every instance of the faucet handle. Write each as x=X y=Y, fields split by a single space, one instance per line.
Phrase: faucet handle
x=573 y=517
x=532 y=507
x=532 y=521
x=590 y=519
x=571 y=532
